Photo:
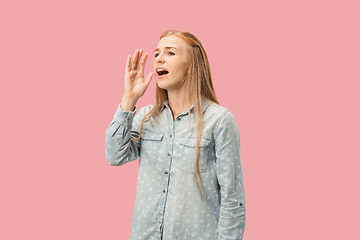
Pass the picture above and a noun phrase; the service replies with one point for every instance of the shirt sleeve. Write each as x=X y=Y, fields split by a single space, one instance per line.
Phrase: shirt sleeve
x=119 y=148
x=231 y=224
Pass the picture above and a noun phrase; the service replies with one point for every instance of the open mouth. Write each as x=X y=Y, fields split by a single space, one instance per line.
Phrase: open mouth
x=161 y=72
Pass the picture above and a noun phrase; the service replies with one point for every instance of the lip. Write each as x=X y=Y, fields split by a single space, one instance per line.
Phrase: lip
x=160 y=68
x=158 y=76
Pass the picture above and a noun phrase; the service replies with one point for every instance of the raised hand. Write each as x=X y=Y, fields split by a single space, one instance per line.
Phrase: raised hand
x=135 y=84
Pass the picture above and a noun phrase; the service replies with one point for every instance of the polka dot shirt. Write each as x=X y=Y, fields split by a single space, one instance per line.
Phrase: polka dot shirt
x=169 y=205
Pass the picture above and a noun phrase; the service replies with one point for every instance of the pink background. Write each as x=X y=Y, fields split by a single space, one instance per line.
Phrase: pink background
x=288 y=71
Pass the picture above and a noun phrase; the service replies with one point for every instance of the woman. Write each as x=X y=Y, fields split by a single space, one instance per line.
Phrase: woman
x=190 y=182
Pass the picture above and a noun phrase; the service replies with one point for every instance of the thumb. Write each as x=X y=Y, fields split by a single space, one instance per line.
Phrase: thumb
x=148 y=78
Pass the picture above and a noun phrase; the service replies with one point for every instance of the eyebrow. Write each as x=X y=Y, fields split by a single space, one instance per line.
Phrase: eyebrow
x=165 y=48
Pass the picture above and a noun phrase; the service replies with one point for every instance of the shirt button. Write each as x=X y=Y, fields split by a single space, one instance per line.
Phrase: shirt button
x=166 y=172
x=168 y=154
x=164 y=191
x=170 y=135
x=178 y=118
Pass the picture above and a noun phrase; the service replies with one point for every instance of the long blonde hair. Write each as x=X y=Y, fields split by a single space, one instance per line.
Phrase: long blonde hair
x=199 y=83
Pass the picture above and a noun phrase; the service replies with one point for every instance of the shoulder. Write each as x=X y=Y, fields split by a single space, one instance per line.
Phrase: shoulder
x=222 y=116
x=145 y=109
x=218 y=112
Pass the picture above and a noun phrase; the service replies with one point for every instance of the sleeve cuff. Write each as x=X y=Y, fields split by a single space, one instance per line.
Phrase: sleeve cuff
x=122 y=115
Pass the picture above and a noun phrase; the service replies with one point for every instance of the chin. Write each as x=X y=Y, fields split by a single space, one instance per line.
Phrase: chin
x=162 y=86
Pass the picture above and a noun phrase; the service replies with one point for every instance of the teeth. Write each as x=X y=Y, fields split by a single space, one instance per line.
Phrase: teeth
x=160 y=69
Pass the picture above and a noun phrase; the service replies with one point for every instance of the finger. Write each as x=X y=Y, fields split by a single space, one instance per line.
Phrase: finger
x=148 y=78
x=142 y=63
x=133 y=60
x=128 y=64
x=138 y=58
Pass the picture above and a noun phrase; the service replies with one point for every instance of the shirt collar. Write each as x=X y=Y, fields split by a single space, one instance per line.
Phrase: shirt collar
x=204 y=104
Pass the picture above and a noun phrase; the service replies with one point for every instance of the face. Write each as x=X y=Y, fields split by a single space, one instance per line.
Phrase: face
x=171 y=55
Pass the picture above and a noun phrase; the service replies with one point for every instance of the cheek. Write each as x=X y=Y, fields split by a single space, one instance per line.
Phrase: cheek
x=180 y=72
x=182 y=68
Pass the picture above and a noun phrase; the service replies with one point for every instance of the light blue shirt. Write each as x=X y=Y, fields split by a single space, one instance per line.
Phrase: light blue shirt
x=168 y=205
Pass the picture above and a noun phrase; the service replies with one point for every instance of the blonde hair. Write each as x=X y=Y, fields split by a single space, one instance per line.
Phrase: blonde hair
x=199 y=83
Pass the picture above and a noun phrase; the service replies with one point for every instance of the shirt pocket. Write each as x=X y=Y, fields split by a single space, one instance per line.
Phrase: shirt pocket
x=150 y=146
x=188 y=150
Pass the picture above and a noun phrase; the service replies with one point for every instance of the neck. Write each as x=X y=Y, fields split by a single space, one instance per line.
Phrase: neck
x=179 y=101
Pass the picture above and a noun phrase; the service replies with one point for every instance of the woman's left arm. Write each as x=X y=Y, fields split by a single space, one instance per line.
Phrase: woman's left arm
x=229 y=173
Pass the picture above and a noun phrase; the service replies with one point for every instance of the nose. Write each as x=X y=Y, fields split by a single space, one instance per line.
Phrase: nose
x=159 y=59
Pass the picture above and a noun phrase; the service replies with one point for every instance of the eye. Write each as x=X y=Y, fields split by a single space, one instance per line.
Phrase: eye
x=156 y=54
x=171 y=53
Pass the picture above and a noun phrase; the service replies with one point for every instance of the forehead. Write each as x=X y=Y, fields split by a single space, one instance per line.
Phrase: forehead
x=172 y=41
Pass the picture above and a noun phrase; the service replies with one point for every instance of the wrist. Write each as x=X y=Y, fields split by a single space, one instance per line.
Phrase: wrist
x=128 y=103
